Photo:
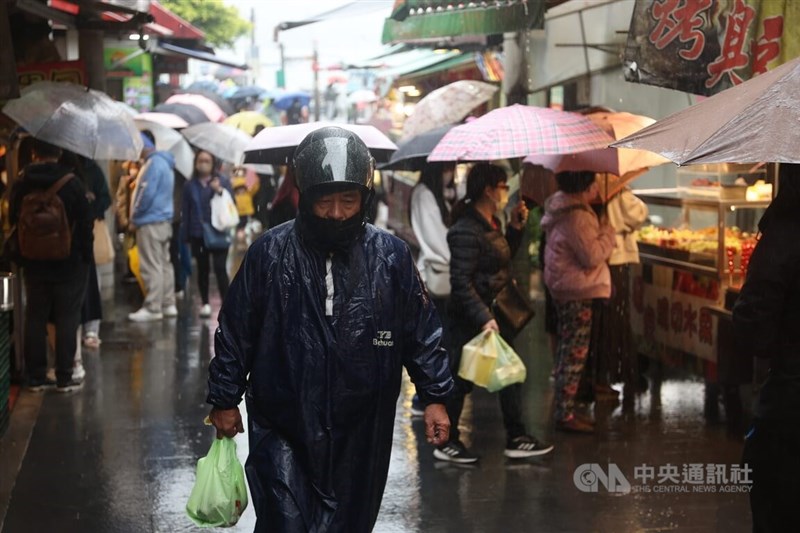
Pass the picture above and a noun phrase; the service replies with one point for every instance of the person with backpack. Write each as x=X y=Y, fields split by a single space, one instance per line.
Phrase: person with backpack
x=151 y=217
x=52 y=242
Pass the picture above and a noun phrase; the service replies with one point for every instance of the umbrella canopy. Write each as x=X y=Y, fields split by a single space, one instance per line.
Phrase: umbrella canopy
x=207 y=106
x=519 y=131
x=169 y=140
x=247 y=121
x=169 y=120
x=248 y=91
x=620 y=164
x=78 y=119
x=447 y=105
x=362 y=96
x=276 y=145
x=752 y=122
x=284 y=101
x=189 y=113
x=132 y=111
x=215 y=97
x=203 y=85
x=412 y=153
x=221 y=140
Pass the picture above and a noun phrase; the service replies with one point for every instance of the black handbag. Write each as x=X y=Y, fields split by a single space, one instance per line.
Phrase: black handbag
x=512 y=310
x=214 y=239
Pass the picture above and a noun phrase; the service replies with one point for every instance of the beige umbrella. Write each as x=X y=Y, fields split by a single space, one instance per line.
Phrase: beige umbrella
x=749 y=123
x=447 y=105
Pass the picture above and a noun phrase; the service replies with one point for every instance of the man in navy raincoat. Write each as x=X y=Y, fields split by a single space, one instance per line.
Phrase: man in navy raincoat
x=318 y=323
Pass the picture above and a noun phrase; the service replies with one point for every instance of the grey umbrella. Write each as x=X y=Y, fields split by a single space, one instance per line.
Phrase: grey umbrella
x=189 y=113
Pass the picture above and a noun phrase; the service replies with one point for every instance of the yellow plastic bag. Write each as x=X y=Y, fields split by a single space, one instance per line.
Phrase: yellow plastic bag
x=489 y=362
x=133 y=262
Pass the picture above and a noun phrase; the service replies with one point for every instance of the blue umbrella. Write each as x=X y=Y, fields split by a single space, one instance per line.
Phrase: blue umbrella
x=284 y=101
x=248 y=91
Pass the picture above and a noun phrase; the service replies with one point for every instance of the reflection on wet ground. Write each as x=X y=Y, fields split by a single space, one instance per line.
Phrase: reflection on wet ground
x=119 y=456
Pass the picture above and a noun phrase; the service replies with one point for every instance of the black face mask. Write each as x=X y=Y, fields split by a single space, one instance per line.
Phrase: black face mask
x=329 y=235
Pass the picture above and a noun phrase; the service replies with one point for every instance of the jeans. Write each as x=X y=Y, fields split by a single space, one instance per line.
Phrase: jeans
x=219 y=258
x=58 y=302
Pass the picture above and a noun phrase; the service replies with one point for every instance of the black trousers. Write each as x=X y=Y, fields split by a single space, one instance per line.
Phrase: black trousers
x=772 y=451
x=510 y=397
x=59 y=302
x=203 y=256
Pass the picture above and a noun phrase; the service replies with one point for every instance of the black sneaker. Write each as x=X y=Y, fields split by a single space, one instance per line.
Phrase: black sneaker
x=38 y=385
x=526 y=446
x=71 y=385
x=455 y=452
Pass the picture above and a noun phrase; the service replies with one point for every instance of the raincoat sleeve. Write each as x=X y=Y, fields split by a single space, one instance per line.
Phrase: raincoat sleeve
x=757 y=315
x=464 y=252
x=236 y=335
x=425 y=358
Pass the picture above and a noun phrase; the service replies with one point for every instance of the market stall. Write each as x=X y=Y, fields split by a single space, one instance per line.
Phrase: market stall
x=694 y=258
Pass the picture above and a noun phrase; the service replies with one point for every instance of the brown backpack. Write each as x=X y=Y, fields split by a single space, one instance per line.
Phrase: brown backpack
x=43 y=230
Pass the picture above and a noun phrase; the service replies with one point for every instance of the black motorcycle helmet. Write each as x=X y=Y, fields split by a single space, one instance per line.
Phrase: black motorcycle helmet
x=332 y=159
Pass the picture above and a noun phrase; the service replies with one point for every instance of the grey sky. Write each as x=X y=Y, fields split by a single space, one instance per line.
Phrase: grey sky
x=346 y=39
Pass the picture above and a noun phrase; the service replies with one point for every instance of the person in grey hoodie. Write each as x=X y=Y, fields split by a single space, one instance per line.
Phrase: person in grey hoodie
x=576 y=272
x=151 y=217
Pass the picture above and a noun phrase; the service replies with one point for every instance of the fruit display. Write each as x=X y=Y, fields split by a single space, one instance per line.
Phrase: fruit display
x=702 y=241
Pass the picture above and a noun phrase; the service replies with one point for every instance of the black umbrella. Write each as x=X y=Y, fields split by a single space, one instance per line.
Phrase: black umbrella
x=189 y=113
x=412 y=154
x=203 y=85
x=248 y=91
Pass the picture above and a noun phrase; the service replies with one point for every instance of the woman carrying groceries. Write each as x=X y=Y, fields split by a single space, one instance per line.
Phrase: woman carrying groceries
x=196 y=210
x=479 y=269
x=430 y=218
x=576 y=272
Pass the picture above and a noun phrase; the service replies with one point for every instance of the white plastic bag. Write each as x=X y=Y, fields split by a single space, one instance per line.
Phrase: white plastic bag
x=224 y=215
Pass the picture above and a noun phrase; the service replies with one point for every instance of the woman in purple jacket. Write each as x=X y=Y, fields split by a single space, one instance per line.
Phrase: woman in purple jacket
x=576 y=272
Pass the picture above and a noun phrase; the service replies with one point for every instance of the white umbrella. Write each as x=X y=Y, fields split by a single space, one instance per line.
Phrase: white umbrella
x=362 y=96
x=447 y=105
x=78 y=119
x=221 y=140
x=169 y=120
x=171 y=141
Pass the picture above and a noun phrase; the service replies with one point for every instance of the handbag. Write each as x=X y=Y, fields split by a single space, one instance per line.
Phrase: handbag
x=103 y=247
x=214 y=239
x=437 y=278
x=512 y=310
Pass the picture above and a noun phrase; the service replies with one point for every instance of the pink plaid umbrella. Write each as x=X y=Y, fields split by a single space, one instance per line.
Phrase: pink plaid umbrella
x=519 y=131
x=209 y=107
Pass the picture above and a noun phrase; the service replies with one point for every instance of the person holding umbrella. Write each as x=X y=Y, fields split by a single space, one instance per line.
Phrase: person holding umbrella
x=205 y=183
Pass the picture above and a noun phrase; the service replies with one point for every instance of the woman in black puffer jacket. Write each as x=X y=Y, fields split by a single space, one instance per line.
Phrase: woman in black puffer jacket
x=479 y=268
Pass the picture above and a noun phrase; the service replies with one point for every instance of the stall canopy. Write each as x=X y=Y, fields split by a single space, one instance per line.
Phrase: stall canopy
x=426 y=21
x=705 y=47
x=166 y=48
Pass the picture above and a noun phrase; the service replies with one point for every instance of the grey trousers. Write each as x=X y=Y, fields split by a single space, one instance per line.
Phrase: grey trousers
x=155 y=266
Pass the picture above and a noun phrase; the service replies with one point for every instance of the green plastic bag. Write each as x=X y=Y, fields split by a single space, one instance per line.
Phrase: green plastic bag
x=489 y=362
x=219 y=495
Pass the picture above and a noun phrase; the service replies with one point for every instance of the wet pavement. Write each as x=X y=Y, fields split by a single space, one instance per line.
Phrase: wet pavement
x=119 y=456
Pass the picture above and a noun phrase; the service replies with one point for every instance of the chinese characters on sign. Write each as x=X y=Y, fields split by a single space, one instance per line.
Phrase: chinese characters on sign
x=705 y=46
x=687 y=478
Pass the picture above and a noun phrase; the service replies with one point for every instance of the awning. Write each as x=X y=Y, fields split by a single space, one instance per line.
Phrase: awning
x=454 y=62
x=426 y=21
x=169 y=49
x=419 y=60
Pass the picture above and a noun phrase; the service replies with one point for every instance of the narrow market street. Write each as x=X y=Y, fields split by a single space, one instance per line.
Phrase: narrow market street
x=119 y=455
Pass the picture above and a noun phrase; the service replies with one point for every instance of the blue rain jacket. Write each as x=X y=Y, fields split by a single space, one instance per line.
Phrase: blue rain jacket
x=321 y=390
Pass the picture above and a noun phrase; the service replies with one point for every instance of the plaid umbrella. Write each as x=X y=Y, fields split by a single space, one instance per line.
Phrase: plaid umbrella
x=519 y=131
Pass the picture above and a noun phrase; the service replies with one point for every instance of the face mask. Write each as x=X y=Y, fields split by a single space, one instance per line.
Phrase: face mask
x=502 y=201
x=330 y=234
x=204 y=168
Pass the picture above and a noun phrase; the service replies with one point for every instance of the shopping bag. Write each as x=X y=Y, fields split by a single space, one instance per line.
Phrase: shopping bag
x=219 y=495
x=133 y=263
x=224 y=214
x=478 y=358
x=489 y=362
x=508 y=368
x=103 y=247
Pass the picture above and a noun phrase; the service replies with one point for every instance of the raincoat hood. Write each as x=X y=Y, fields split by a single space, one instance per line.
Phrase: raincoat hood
x=44 y=174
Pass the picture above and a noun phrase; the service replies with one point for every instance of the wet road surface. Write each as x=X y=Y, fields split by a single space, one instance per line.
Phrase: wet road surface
x=119 y=456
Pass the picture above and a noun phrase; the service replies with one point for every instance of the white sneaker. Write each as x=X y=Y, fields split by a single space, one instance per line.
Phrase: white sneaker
x=205 y=311
x=143 y=315
x=170 y=311
x=78 y=372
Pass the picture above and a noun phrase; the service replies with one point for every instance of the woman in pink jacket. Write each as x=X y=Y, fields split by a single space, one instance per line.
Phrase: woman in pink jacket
x=576 y=272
